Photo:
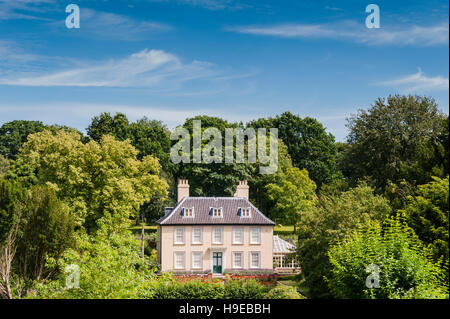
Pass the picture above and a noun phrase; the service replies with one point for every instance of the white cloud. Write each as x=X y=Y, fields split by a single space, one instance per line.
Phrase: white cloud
x=114 y=26
x=148 y=68
x=417 y=83
x=24 y=9
x=352 y=31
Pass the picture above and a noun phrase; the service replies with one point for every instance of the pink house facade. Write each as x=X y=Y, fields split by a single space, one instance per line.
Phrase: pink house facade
x=214 y=234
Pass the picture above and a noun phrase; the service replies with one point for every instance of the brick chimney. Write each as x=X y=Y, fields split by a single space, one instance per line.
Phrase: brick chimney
x=242 y=189
x=183 y=189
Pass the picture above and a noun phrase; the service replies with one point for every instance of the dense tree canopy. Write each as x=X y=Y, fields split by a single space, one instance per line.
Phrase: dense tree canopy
x=293 y=194
x=333 y=217
x=309 y=145
x=392 y=258
x=387 y=141
x=427 y=213
x=14 y=134
x=103 y=183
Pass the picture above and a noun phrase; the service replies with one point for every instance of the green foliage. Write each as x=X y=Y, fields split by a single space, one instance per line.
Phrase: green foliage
x=13 y=209
x=388 y=141
x=4 y=165
x=293 y=195
x=427 y=213
x=149 y=137
x=109 y=268
x=214 y=179
x=47 y=233
x=192 y=289
x=14 y=134
x=309 y=145
x=198 y=289
x=333 y=216
x=283 y=292
x=406 y=269
x=103 y=183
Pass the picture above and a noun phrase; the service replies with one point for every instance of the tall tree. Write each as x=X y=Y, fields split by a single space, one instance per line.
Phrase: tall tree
x=103 y=183
x=390 y=258
x=13 y=215
x=386 y=141
x=14 y=134
x=427 y=213
x=212 y=179
x=4 y=165
x=333 y=217
x=309 y=145
x=293 y=195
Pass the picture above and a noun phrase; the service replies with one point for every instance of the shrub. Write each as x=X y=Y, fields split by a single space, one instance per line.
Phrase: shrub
x=244 y=289
x=406 y=269
x=193 y=289
x=283 y=292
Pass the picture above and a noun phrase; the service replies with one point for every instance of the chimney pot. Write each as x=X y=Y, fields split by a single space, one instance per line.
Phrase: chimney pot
x=183 y=189
x=242 y=189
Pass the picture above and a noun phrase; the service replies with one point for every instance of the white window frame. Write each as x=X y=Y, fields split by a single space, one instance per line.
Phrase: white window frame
x=200 y=266
x=191 y=209
x=247 y=210
x=234 y=259
x=235 y=229
x=193 y=237
x=219 y=210
x=213 y=235
x=251 y=259
x=252 y=230
x=175 y=241
x=175 y=264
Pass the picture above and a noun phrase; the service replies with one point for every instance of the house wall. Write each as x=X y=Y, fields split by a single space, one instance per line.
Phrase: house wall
x=167 y=247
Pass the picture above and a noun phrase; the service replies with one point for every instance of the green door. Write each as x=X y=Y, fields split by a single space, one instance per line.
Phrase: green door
x=217 y=262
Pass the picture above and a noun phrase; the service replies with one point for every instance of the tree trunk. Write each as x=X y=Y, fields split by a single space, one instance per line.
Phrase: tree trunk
x=142 y=241
x=295 y=228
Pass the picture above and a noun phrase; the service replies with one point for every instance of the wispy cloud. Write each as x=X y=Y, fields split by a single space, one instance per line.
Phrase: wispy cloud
x=24 y=9
x=216 y=4
x=114 y=26
x=357 y=32
x=417 y=83
x=148 y=68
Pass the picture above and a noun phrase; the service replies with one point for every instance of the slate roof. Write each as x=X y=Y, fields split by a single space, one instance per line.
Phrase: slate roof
x=282 y=246
x=202 y=207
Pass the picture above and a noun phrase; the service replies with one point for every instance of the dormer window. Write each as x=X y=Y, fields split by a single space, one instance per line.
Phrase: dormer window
x=216 y=212
x=245 y=212
x=187 y=211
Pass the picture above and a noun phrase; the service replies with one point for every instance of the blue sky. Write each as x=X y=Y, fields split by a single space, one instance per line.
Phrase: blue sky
x=239 y=60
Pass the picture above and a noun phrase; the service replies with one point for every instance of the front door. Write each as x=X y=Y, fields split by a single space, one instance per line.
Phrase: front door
x=217 y=262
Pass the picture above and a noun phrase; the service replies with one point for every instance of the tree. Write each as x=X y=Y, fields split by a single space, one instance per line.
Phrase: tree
x=13 y=214
x=103 y=183
x=47 y=233
x=293 y=195
x=387 y=141
x=334 y=215
x=427 y=213
x=105 y=124
x=14 y=134
x=309 y=145
x=110 y=268
x=213 y=179
x=4 y=165
x=392 y=259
